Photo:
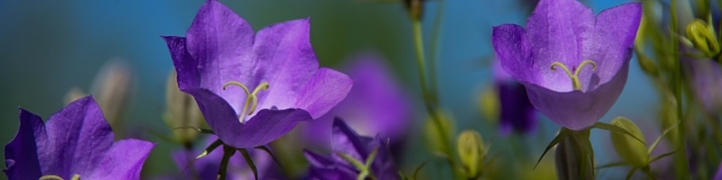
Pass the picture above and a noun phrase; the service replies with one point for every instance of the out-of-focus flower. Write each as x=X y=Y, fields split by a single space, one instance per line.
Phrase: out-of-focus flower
x=573 y=65
x=705 y=78
x=375 y=105
x=206 y=168
x=517 y=112
x=353 y=156
x=76 y=142
x=433 y=136
x=253 y=89
x=112 y=89
x=182 y=112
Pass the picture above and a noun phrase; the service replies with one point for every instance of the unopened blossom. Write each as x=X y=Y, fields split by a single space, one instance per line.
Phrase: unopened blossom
x=573 y=65
x=375 y=105
x=517 y=113
x=352 y=156
x=252 y=89
x=75 y=142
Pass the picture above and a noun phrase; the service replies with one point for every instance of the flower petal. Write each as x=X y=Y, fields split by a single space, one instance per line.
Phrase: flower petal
x=323 y=91
x=577 y=110
x=344 y=140
x=514 y=52
x=220 y=42
x=556 y=30
x=262 y=128
x=123 y=160
x=21 y=157
x=611 y=44
x=78 y=137
x=288 y=62
x=185 y=65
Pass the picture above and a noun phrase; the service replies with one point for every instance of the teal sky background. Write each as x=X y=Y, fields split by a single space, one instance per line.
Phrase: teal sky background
x=48 y=47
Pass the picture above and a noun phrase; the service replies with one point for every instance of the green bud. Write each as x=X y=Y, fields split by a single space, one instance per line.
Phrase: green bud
x=470 y=148
x=433 y=136
x=702 y=36
x=489 y=105
x=182 y=111
x=669 y=117
x=630 y=149
x=571 y=160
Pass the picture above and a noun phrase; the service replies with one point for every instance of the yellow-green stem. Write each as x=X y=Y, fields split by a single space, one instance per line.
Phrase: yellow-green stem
x=420 y=61
x=682 y=165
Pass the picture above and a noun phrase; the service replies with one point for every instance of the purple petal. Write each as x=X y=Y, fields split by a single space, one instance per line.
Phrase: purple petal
x=123 y=160
x=323 y=91
x=21 y=155
x=611 y=44
x=264 y=127
x=220 y=42
x=78 y=136
x=557 y=30
x=577 y=110
x=345 y=140
x=185 y=65
x=514 y=52
x=288 y=62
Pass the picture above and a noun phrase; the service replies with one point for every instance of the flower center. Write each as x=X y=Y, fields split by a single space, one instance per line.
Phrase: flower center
x=54 y=177
x=576 y=84
x=251 y=97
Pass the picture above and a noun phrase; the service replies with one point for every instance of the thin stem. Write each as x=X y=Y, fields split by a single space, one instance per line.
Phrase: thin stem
x=435 y=40
x=420 y=61
x=682 y=166
x=227 y=153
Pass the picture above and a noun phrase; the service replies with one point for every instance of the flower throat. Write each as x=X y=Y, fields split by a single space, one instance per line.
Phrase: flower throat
x=251 y=97
x=576 y=84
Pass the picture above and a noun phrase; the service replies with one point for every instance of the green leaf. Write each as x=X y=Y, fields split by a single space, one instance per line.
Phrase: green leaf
x=418 y=169
x=200 y=130
x=662 y=156
x=268 y=150
x=615 y=164
x=249 y=161
x=205 y=152
x=666 y=131
x=613 y=128
x=631 y=173
x=559 y=138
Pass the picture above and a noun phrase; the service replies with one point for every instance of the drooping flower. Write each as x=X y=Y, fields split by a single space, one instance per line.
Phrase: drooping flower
x=206 y=168
x=253 y=89
x=517 y=112
x=573 y=65
x=76 y=142
x=352 y=156
x=375 y=105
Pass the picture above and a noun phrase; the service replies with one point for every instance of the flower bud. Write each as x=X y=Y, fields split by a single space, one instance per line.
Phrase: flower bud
x=702 y=36
x=489 y=105
x=629 y=148
x=669 y=117
x=470 y=148
x=181 y=111
x=415 y=8
x=434 y=136
x=571 y=161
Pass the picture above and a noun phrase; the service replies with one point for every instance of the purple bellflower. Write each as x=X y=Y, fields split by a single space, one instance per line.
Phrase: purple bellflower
x=76 y=142
x=573 y=65
x=252 y=89
x=353 y=156
x=517 y=113
x=375 y=105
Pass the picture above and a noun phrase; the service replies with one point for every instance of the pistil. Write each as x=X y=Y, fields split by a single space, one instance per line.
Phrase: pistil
x=576 y=84
x=251 y=97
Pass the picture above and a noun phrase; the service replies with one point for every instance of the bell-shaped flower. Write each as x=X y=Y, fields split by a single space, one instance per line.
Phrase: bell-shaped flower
x=517 y=113
x=352 y=157
x=573 y=65
x=252 y=89
x=74 y=143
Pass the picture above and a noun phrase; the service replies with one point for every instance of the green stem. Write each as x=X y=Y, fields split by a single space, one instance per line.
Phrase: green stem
x=435 y=40
x=682 y=165
x=420 y=61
